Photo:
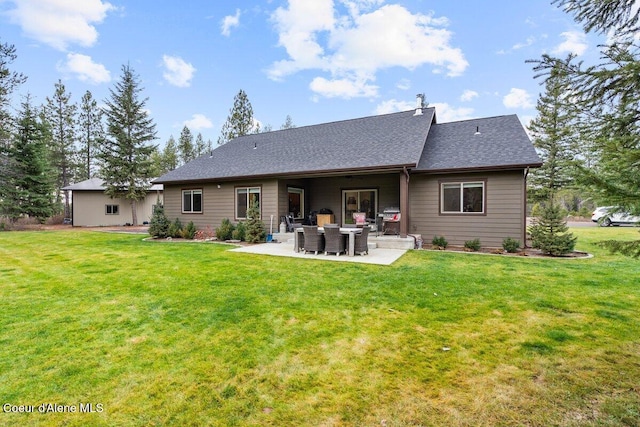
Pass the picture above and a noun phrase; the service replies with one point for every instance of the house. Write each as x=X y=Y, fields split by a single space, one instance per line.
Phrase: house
x=462 y=180
x=91 y=207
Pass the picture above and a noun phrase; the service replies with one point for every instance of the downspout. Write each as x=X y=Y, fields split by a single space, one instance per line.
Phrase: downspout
x=524 y=209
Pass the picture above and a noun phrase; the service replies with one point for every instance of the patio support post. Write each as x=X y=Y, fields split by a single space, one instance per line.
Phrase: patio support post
x=404 y=202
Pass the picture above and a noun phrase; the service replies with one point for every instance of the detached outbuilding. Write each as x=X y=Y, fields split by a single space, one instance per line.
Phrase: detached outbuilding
x=462 y=180
x=91 y=207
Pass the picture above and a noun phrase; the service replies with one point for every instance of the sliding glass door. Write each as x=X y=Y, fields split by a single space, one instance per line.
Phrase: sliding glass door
x=359 y=200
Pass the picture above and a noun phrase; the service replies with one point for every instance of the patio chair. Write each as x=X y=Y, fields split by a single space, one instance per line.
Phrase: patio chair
x=313 y=240
x=360 y=218
x=334 y=241
x=361 y=243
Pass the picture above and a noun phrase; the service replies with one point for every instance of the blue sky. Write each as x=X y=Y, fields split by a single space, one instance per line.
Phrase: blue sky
x=315 y=60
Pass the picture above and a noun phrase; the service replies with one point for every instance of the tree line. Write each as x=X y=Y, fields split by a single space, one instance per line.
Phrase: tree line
x=45 y=148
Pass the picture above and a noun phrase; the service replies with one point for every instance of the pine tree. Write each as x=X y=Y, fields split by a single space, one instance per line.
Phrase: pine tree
x=60 y=114
x=549 y=232
x=159 y=224
x=201 y=146
x=31 y=186
x=9 y=81
x=186 y=149
x=240 y=119
x=288 y=123
x=255 y=232
x=90 y=135
x=609 y=94
x=126 y=150
x=554 y=135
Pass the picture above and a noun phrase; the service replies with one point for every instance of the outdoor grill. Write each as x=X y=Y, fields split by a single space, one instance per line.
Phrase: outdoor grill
x=391 y=221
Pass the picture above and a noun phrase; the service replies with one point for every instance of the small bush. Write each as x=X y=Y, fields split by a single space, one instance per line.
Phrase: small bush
x=255 y=227
x=439 y=242
x=550 y=233
x=240 y=232
x=206 y=234
x=225 y=231
x=511 y=245
x=189 y=231
x=175 y=229
x=473 y=245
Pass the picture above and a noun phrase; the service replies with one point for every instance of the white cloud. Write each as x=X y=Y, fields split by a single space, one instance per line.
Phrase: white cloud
x=177 y=72
x=468 y=95
x=59 y=23
x=354 y=47
x=575 y=42
x=343 y=88
x=446 y=113
x=404 y=84
x=229 y=22
x=518 y=98
x=197 y=122
x=393 y=106
x=85 y=69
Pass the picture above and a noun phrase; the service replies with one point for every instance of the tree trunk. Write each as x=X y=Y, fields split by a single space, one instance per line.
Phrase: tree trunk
x=134 y=212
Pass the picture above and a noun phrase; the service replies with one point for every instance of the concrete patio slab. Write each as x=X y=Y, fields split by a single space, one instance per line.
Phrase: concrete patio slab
x=377 y=256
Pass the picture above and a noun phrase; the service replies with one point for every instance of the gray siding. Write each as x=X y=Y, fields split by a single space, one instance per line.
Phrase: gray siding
x=504 y=208
x=219 y=203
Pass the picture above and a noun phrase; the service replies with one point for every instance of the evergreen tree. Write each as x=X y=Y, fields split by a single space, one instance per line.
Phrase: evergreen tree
x=170 y=155
x=240 y=120
x=126 y=150
x=60 y=114
x=159 y=224
x=609 y=93
x=9 y=81
x=554 y=135
x=549 y=232
x=288 y=123
x=201 y=146
x=186 y=149
x=254 y=227
x=30 y=186
x=90 y=135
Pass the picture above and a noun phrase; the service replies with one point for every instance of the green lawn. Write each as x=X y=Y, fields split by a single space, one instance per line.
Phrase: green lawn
x=192 y=334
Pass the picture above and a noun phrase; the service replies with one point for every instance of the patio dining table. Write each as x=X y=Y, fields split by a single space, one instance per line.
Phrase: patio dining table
x=349 y=231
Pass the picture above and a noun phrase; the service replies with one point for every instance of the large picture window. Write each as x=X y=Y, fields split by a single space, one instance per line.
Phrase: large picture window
x=462 y=197
x=245 y=196
x=192 y=201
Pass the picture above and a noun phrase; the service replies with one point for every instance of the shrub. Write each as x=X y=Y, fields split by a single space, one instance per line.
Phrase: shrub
x=439 y=242
x=255 y=227
x=473 y=245
x=206 y=234
x=240 y=232
x=511 y=245
x=225 y=231
x=189 y=231
x=549 y=232
x=175 y=229
x=159 y=226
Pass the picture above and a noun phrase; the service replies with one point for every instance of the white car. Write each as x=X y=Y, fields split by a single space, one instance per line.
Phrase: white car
x=605 y=218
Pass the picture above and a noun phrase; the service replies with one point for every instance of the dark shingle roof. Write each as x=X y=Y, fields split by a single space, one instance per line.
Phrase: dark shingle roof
x=502 y=143
x=383 y=141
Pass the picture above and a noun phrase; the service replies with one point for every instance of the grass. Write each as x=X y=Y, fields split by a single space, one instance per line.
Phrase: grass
x=192 y=334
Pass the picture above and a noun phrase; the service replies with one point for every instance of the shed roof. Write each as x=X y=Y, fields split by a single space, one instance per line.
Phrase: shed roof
x=97 y=184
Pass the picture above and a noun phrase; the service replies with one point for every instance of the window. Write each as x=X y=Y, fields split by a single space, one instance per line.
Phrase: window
x=111 y=209
x=296 y=202
x=245 y=196
x=462 y=197
x=191 y=201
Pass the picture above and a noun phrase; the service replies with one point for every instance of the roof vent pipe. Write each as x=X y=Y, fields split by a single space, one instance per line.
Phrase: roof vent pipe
x=419 y=104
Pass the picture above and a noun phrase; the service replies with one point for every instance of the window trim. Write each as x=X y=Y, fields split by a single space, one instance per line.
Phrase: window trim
x=462 y=183
x=300 y=191
x=235 y=199
x=192 y=191
x=106 y=209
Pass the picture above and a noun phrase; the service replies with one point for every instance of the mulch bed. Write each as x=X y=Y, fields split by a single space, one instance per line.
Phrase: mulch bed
x=528 y=252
